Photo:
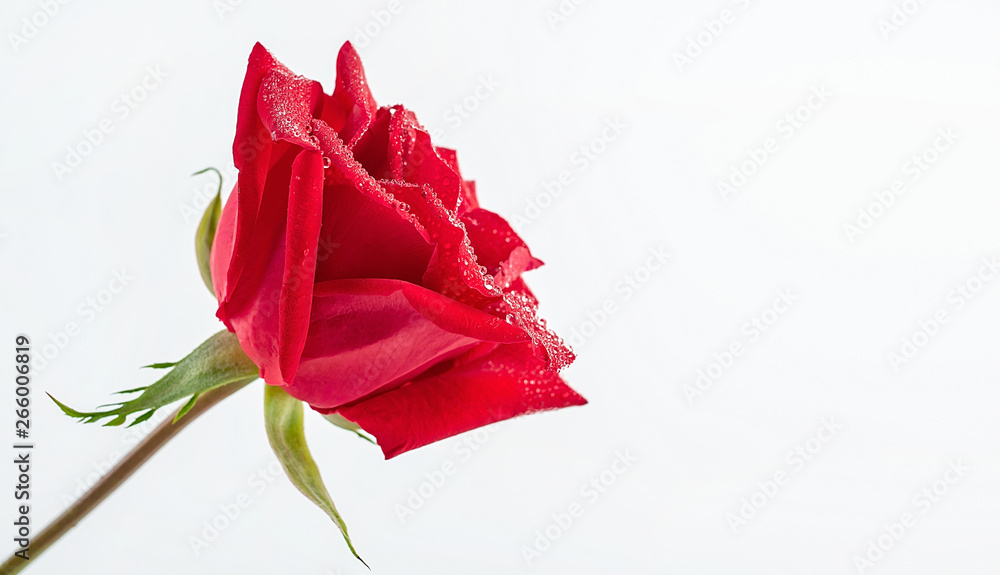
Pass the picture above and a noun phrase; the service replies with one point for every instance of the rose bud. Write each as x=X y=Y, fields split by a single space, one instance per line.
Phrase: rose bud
x=359 y=273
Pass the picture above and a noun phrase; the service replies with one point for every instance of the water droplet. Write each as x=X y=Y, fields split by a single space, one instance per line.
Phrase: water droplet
x=327 y=162
x=274 y=135
x=510 y=318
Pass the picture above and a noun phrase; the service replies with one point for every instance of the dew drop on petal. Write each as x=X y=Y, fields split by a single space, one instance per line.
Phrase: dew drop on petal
x=327 y=162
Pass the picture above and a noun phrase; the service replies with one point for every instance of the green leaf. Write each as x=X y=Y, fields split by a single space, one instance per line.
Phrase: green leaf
x=206 y=232
x=285 y=432
x=217 y=362
x=344 y=423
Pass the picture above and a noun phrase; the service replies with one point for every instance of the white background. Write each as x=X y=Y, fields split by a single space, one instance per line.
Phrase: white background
x=654 y=186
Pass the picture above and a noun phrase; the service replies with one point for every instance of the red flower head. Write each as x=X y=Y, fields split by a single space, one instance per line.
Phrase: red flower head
x=358 y=271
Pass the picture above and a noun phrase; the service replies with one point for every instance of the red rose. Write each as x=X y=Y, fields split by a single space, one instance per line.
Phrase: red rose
x=358 y=271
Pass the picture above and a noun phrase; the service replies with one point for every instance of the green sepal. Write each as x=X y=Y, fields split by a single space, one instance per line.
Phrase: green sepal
x=217 y=362
x=344 y=423
x=187 y=407
x=286 y=433
x=163 y=365
x=206 y=232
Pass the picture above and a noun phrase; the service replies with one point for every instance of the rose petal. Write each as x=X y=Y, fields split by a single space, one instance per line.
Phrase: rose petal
x=274 y=105
x=370 y=151
x=222 y=247
x=305 y=212
x=453 y=270
x=401 y=139
x=286 y=104
x=351 y=108
x=478 y=390
x=521 y=306
x=423 y=166
x=368 y=335
x=469 y=199
x=362 y=237
x=388 y=141
x=450 y=157
x=365 y=231
x=519 y=261
x=497 y=246
x=251 y=311
x=251 y=155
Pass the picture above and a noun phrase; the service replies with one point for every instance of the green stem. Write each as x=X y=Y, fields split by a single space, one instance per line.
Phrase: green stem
x=113 y=480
